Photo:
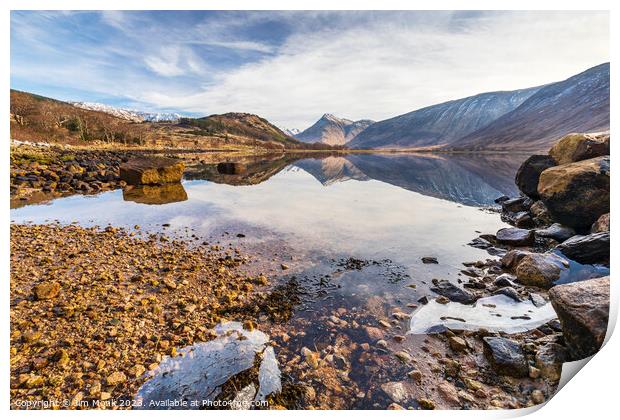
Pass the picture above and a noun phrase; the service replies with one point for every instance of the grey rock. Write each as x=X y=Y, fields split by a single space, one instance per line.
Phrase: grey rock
x=452 y=292
x=515 y=236
x=587 y=249
x=510 y=292
x=505 y=356
x=505 y=280
x=557 y=232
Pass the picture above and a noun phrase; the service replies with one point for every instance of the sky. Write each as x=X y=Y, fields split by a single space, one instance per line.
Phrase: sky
x=292 y=67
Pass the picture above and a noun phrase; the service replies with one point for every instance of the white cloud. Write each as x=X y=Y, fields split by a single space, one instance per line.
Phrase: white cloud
x=355 y=65
x=389 y=68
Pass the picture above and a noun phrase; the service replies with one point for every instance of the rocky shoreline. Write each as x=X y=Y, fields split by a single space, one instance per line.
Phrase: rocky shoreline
x=557 y=252
x=93 y=309
x=48 y=172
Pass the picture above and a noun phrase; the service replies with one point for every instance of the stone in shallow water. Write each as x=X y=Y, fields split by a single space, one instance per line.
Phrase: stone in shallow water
x=515 y=236
x=497 y=313
x=505 y=356
x=587 y=249
x=556 y=231
x=453 y=292
x=583 y=310
x=152 y=170
x=396 y=391
x=541 y=270
x=200 y=370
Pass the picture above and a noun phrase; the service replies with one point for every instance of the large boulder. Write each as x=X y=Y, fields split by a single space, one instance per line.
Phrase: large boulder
x=152 y=170
x=601 y=225
x=505 y=356
x=580 y=146
x=529 y=173
x=576 y=194
x=540 y=270
x=587 y=249
x=515 y=236
x=583 y=310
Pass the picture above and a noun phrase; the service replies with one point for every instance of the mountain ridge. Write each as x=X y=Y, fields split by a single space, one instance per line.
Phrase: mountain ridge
x=579 y=103
x=438 y=125
x=333 y=130
x=523 y=119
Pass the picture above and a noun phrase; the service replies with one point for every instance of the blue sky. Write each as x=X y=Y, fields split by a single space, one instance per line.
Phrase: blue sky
x=292 y=67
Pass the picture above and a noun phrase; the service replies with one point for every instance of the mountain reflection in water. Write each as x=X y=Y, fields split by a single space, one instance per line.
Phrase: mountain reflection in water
x=475 y=180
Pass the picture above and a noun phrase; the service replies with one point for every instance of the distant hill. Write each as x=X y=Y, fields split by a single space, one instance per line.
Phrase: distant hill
x=577 y=104
x=332 y=130
x=239 y=125
x=439 y=125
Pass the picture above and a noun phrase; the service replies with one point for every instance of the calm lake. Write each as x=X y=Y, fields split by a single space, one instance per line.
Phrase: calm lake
x=344 y=234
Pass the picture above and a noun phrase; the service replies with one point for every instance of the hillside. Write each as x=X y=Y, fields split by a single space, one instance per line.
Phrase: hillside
x=577 y=104
x=439 y=125
x=37 y=118
x=41 y=119
x=332 y=130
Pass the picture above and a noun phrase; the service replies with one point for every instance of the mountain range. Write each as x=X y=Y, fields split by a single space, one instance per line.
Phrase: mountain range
x=332 y=130
x=524 y=119
x=577 y=104
x=129 y=114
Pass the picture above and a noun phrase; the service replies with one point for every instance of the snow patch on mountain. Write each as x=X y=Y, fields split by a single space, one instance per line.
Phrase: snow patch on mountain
x=129 y=114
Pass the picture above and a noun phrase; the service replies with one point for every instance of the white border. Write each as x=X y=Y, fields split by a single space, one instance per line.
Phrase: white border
x=593 y=394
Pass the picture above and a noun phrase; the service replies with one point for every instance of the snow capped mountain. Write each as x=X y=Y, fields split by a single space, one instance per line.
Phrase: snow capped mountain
x=332 y=130
x=577 y=104
x=441 y=124
x=525 y=119
x=128 y=114
x=291 y=131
